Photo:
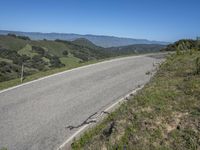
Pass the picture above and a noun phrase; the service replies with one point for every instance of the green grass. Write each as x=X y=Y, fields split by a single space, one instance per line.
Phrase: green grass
x=70 y=61
x=55 y=48
x=164 y=115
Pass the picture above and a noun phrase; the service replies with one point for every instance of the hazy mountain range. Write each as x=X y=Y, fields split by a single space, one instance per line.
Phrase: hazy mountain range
x=99 y=40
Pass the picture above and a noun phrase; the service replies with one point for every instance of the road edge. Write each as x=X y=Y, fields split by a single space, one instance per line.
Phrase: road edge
x=66 y=144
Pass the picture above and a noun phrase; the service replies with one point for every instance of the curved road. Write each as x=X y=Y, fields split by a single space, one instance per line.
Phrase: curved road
x=34 y=116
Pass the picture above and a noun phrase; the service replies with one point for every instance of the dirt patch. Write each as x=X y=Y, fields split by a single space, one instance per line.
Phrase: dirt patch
x=175 y=121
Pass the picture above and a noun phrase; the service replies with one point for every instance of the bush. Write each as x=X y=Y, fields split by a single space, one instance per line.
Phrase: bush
x=55 y=62
x=181 y=45
x=9 y=54
x=8 y=71
x=38 y=63
x=65 y=53
x=39 y=50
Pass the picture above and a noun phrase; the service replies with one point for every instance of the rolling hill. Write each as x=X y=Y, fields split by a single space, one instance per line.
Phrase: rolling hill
x=86 y=43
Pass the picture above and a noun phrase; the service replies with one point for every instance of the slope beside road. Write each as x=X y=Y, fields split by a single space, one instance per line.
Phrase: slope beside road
x=35 y=116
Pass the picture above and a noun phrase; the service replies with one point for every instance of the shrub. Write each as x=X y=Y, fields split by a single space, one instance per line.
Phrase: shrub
x=65 y=53
x=8 y=71
x=39 y=50
x=9 y=54
x=55 y=62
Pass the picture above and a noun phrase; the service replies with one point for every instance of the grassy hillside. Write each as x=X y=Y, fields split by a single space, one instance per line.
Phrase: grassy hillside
x=86 y=43
x=87 y=51
x=43 y=55
x=10 y=42
x=164 y=115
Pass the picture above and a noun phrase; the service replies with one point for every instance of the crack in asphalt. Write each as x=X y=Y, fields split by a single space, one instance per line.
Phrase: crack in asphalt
x=89 y=120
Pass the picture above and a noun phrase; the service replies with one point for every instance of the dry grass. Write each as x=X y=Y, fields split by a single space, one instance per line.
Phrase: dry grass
x=164 y=115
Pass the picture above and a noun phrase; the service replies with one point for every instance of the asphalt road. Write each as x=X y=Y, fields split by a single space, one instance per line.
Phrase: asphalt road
x=35 y=116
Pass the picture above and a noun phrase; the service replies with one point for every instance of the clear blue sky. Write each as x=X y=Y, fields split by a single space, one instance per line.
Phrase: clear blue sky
x=166 y=20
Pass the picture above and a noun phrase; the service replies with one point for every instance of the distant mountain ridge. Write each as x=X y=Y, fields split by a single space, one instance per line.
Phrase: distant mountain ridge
x=99 y=40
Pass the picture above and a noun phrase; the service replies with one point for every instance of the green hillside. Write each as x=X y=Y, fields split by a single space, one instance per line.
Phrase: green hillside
x=10 y=42
x=86 y=52
x=39 y=56
x=85 y=43
x=43 y=55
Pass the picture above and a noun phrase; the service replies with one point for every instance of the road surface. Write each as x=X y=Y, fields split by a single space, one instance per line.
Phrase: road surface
x=35 y=116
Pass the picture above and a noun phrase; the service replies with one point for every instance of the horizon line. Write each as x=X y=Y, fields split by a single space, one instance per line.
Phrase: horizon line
x=89 y=34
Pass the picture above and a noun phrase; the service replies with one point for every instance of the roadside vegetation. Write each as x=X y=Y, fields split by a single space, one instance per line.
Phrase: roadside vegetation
x=43 y=57
x=165 y=114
